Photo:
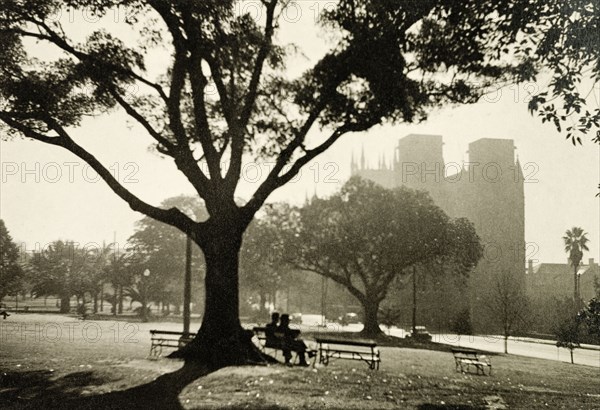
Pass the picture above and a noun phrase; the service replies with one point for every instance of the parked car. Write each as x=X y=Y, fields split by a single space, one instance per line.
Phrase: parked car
x=349 y=318
x=420 y=333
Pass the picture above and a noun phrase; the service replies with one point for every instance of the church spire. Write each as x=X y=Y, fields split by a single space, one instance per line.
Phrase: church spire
x=519 y=177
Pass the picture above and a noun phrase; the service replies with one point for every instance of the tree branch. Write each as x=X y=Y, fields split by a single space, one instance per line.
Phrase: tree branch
x=172 y=216
x=274 y=180
x=132 y=112
x=237 y=136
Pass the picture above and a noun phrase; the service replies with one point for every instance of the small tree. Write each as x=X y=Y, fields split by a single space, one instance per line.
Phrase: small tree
x=11 y=273
x=65 y=270
x=509 y=305
x=575 y=240
x=590 y=316
x=390 y=316
x=462 y=323
x=568 y=334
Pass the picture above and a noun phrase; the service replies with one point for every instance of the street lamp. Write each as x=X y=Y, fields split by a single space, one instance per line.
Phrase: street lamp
x=143 y=294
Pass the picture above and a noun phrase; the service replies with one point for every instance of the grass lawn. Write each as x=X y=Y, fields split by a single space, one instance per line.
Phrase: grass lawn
x=82 y=369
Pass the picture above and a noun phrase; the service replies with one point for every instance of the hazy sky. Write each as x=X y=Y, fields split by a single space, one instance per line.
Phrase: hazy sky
x=47 y=193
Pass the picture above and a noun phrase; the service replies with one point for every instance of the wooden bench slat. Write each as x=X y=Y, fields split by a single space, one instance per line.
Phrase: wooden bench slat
x=366 y=343
x=364 y=350
x=469 y=358
x=167 y=338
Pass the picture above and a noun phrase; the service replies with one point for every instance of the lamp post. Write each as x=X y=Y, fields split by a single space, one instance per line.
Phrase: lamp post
x=145 y=275
x=414 y=310
x=323 y=300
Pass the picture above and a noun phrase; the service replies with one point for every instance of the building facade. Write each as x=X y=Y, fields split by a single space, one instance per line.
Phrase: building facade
x=556 y=280
x=487 y=190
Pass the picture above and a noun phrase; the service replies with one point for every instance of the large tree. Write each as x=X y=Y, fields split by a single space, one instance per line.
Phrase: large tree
x=162 y=249
x=11 y=272
x=261 y=262
x=364 y=236
x=575 y=240
x=390 y=60
x=64 y=269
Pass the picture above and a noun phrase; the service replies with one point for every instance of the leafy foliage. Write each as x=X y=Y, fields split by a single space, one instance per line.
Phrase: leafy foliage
x=462 y=323
x=575 y=240
x=161 y=249
x=568 y=334
x=262 y=265
x=64 y=269
x=590 y=316
x=364 y=236
x=11 y=272
x=390 y=61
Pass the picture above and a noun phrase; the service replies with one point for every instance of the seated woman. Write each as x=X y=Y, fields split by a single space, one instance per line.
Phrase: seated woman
x=272 y=340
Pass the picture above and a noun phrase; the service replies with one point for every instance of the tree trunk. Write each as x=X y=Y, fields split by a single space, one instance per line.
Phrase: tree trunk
x=65 y=301
x=120 y=311
x=414 y=306
x=96 y=302
x=371 y=326
x=262 y=309
x=114 y=300
x=102 y=297
x=221 y=340
x=187 y=285
x=575 y=290
x=571 y=350
x=506 y=343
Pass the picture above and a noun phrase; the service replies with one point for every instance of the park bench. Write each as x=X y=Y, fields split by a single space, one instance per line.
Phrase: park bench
x=364 y=350
x=466 y=359
x=169 y=339
x=261 y=335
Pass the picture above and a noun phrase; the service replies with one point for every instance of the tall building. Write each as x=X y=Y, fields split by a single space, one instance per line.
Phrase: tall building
x=488 y=190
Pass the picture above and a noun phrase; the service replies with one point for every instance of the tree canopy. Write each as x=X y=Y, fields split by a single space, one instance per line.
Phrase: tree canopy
x=365 y=235
x=64 y=269
x=161 y=248
x=262 y=265
x=11 y=272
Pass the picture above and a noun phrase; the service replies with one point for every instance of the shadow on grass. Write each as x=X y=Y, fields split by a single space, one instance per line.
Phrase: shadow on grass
x=428 y=406
x=39 y=390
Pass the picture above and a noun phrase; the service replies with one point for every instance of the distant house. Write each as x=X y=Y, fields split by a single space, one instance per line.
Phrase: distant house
x=547 y=280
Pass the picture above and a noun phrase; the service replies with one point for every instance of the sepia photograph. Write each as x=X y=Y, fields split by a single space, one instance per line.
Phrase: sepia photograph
x=300 y=204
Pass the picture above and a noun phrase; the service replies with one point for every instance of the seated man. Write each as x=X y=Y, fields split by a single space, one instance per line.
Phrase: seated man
x=290 y=343
x=3 y=311
x=272 y=340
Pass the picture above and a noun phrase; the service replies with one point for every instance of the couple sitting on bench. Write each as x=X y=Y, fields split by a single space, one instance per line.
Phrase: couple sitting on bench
x=279 y=336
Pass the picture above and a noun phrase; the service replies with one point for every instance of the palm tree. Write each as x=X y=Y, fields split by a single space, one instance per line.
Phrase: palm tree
x=575 y=243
